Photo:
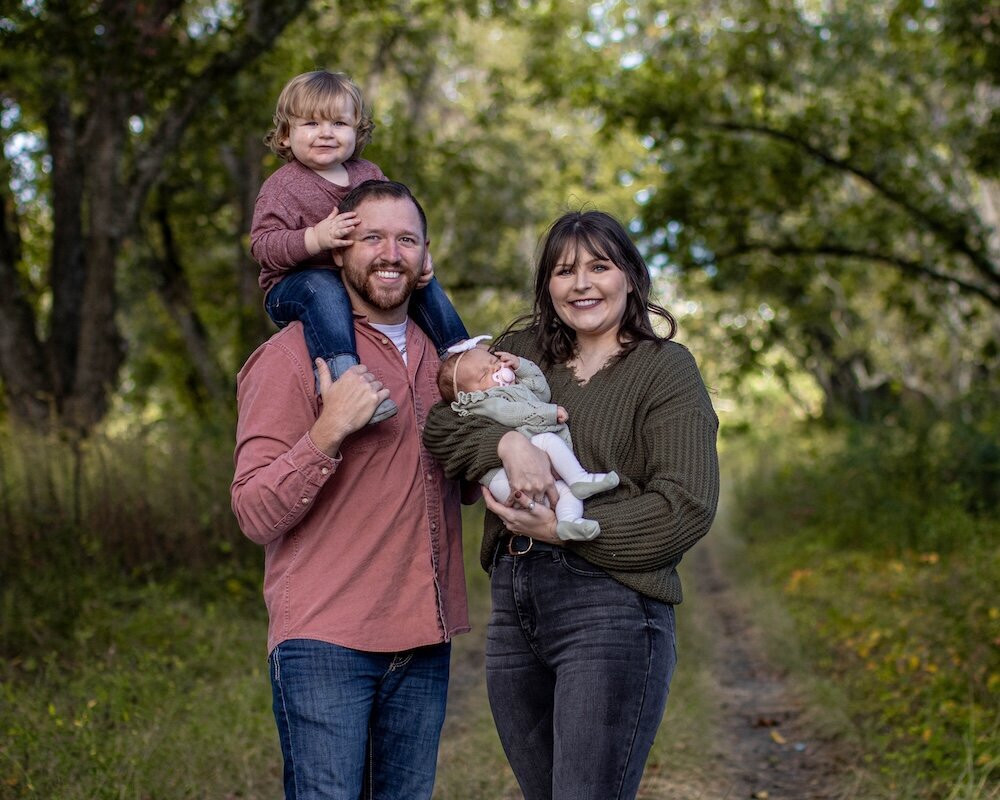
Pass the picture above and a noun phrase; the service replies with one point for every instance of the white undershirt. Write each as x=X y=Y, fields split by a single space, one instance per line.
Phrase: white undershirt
x=397 y=334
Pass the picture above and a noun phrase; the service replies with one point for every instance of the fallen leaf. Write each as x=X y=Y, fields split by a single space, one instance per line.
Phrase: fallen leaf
x=778 y=738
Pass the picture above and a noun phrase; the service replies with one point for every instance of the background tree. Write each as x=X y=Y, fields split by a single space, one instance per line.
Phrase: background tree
x=456 y=118
x=96 y=97
x=838 y=163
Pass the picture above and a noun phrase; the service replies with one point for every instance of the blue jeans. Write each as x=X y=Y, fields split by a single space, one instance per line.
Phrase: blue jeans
x=354 y=724
x=578 y=668
x=317 y=298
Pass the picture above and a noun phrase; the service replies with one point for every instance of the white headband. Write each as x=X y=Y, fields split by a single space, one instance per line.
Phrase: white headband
x=462 y=348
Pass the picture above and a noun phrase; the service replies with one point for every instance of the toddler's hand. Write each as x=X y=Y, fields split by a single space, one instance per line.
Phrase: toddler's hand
x=332 y=232
x=428 y=272
x=562 y=415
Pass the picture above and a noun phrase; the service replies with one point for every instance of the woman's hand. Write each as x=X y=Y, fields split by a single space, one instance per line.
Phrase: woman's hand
x=537 y=520
x=528 y=469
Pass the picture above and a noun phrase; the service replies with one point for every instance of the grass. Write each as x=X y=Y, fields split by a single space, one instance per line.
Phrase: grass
x=156 y=695
x=132 y=629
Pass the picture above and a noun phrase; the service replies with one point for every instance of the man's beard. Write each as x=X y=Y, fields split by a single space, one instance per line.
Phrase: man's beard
x=363 y=281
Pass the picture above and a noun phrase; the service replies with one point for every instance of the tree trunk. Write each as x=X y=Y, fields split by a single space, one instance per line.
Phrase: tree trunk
x=99 y=184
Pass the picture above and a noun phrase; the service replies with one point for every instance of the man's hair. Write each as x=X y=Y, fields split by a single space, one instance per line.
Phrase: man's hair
x=381 y=190
x=318 y=95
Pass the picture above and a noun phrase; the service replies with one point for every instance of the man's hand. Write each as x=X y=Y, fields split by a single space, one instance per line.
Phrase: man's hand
x=331 y=232
x=427 y=275
x=348 y=404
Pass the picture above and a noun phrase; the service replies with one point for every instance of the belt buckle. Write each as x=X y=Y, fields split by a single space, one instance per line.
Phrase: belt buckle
x=513 y=552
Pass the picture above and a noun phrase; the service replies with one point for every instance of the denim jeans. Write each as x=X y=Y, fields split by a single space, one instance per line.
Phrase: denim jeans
x=578 y=668
x=355 y=724
x=317 y=298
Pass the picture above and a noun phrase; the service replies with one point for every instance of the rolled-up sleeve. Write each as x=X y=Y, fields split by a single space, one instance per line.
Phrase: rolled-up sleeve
x=278 y=469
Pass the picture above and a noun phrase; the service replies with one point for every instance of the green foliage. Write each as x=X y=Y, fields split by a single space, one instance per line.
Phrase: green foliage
x=137 y=508
x=824 y=160
x=929 y=485
x=886 y=546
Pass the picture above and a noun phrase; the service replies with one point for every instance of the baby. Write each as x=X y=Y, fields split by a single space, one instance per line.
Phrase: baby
x=513 y=391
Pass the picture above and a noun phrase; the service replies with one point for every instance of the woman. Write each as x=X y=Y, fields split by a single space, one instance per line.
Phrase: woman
x=580 y=645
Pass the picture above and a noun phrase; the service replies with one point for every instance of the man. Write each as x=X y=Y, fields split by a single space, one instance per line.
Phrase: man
x=363 y=576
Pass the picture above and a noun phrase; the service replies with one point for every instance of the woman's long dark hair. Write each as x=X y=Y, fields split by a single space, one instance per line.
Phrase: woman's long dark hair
x=604 y=237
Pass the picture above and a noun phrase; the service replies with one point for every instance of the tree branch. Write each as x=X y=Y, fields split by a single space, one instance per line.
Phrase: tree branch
x=956 y=235
x=175 y=292
x=905 y=265
x=23 y=364
x=263 y=22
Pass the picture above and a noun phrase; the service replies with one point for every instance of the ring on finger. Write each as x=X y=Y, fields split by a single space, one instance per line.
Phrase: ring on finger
x=531 y=506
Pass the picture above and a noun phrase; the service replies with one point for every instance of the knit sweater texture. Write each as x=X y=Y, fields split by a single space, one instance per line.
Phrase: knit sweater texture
x=645 y=415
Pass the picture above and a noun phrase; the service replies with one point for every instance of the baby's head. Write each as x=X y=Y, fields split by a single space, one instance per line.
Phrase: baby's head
x=469 y=371
x=318 y=95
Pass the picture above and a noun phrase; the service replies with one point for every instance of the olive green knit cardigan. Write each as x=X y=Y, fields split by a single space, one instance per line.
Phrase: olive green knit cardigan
x=648 y=417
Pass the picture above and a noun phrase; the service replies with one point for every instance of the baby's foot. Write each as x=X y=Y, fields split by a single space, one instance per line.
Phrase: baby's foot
x=385 y=409
x=599 y=482
x=579 y=530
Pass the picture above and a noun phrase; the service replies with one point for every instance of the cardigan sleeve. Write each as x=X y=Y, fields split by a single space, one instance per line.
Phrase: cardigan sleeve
x=679 y=490
x=531 y=376
x=511 y=406
x=466 y=447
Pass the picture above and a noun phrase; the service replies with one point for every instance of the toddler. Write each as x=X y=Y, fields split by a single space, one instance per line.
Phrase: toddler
x=321 y=125
x=513 y=391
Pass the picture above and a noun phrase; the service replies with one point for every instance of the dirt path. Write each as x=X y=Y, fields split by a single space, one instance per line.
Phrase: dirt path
x=764 y=746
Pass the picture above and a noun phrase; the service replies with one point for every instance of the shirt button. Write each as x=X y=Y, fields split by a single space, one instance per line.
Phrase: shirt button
x=384 y=340
x=305 y=499
x=324 y=470
x=434 y=526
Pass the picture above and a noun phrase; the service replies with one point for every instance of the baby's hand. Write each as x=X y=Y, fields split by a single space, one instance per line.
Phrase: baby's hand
x=508 y=359
x=428 y=272
x=562 y=415
x=333 y=231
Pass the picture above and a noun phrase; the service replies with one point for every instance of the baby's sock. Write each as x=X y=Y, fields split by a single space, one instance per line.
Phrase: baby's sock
x=580 y=530
x=598 y=482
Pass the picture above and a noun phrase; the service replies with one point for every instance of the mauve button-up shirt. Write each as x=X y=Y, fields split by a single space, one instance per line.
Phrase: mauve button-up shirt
x=362 y=550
